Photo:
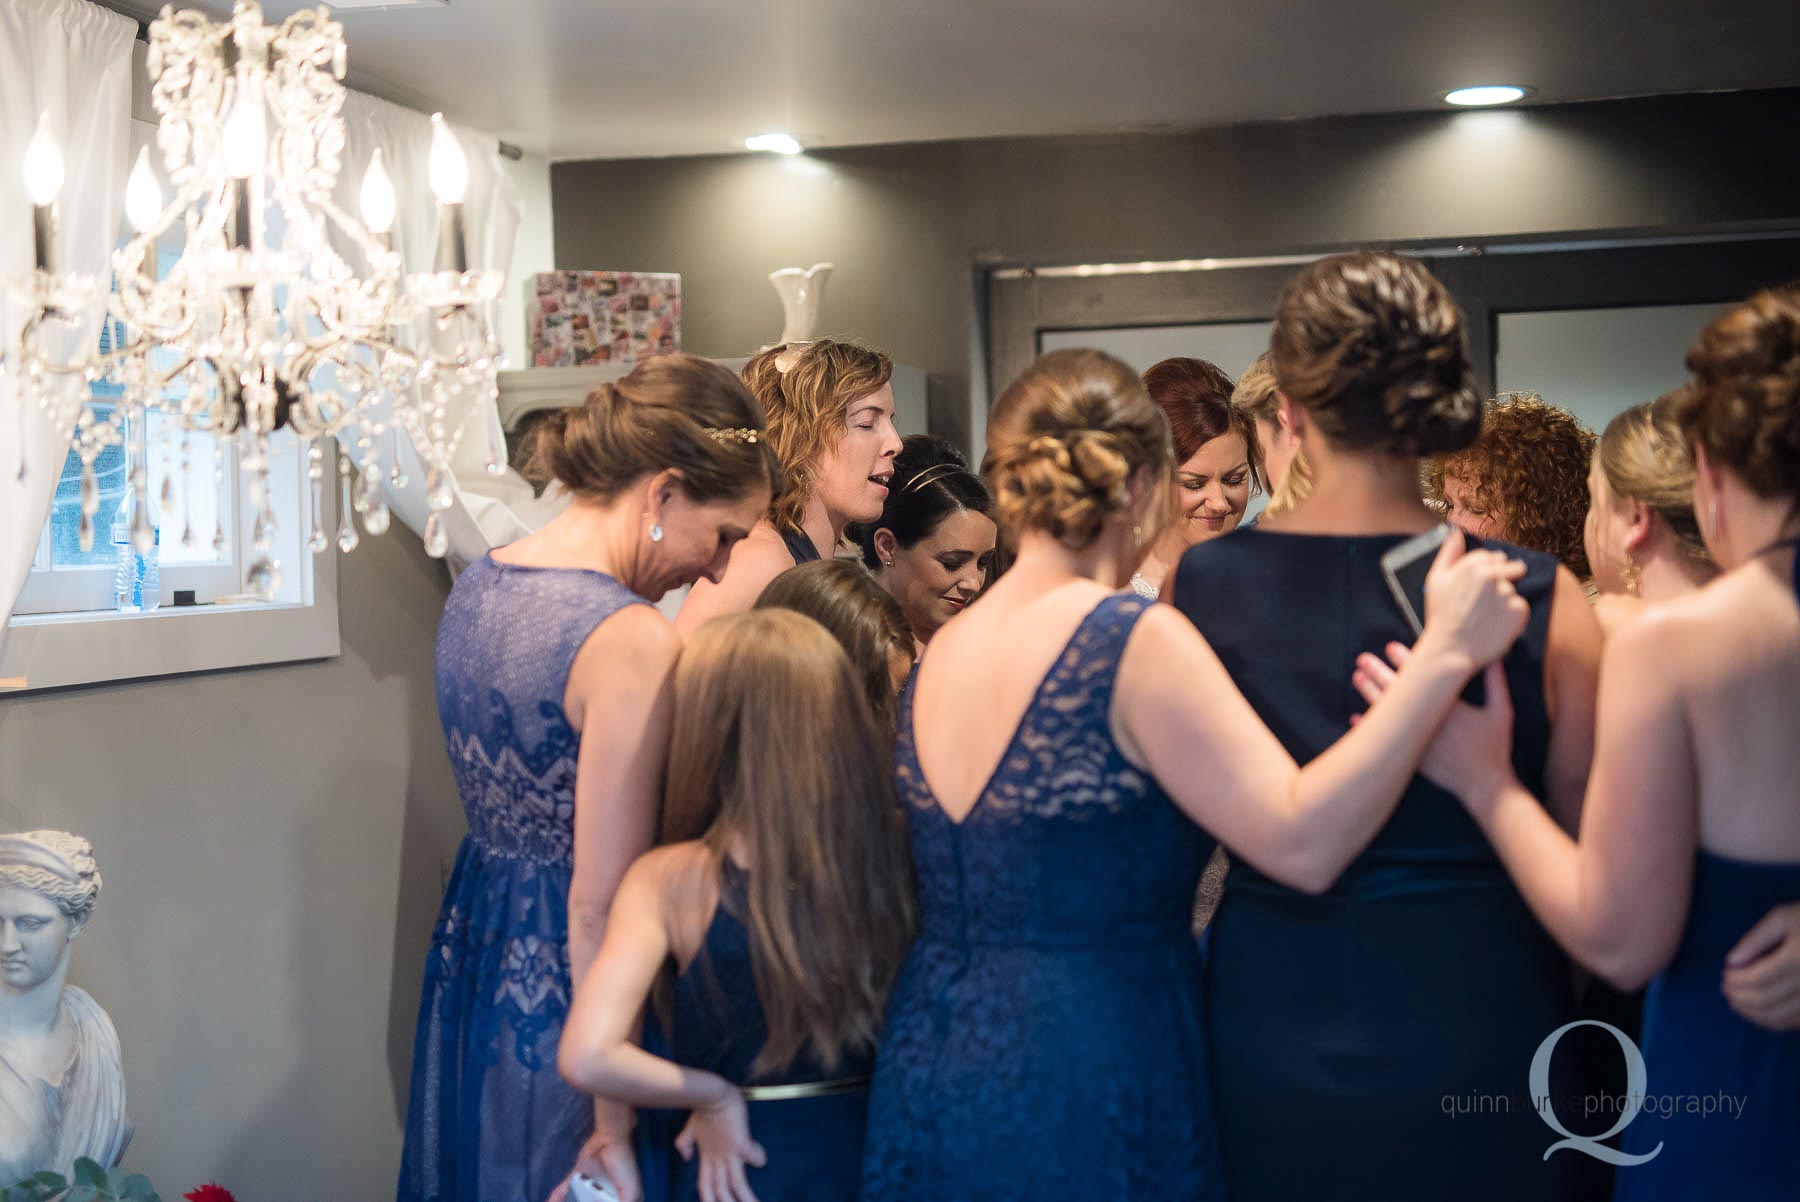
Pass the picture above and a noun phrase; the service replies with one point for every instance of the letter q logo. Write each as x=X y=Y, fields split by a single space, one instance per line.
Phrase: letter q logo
x=1635 y=1079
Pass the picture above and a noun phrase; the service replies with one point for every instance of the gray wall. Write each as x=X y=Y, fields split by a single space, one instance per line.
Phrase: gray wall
x=270 y=842
x=908 y=226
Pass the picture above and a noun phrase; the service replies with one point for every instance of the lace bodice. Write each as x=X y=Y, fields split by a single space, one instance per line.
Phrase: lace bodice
x=508 y=638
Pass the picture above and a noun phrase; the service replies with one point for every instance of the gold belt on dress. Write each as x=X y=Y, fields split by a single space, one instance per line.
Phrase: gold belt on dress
x=803 y=1089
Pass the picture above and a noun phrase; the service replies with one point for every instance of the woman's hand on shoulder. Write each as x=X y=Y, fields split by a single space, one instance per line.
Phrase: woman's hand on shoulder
x=1472 y=612
x=1471 y=753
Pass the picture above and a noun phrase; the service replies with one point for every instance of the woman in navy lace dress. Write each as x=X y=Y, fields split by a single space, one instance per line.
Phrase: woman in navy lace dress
x=1690 y=831
x=552 y=688
x=1057 y=746
x=770 y=927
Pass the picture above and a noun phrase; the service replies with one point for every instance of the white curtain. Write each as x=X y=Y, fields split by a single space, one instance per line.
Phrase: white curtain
x=72 y=60
x=490 y=510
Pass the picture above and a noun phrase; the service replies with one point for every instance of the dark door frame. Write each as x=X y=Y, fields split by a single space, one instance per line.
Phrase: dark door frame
x=1487 y=281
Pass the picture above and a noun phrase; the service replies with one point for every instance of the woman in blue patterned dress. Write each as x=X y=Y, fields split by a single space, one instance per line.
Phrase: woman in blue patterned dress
x=1058 y=744
x=552 y=685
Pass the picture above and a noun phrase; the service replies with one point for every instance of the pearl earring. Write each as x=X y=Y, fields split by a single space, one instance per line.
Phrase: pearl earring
x=655 y=534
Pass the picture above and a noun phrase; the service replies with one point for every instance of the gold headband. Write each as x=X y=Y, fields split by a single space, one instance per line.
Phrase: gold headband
x=733 y=434
x=928 y=475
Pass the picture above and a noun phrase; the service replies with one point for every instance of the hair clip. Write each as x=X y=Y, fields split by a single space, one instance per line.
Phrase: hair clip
x=790 y=355
x=732 y=434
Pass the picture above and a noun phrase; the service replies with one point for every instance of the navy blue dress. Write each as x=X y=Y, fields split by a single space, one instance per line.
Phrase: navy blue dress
x=1739 y=1136
x=490 y=1120
x=1046 y=1037
x=1696 y=1047
x=1374 y=1041
x=814 y=1144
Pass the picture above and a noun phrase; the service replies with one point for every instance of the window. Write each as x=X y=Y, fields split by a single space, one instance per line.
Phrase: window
x=65 y=629
x=203 y=544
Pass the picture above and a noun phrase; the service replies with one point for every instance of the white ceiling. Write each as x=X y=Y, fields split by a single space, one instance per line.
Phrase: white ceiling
x=609 y=78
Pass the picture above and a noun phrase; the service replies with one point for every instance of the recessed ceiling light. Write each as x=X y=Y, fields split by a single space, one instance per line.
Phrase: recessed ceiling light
x=1486 y=94
x=773 y=143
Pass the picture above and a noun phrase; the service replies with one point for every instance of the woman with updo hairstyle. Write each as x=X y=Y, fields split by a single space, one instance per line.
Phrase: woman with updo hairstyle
x=1642 y=539
x=866 y=621
x=933 y=545
x=1690 y=833
x=552 y=686
x=1420 y=975
x=1218 y=466
x=1524 y=480
x=831 y=425
x=1060 y=747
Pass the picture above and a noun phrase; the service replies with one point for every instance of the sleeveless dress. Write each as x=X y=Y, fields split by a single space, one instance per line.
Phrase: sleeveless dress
x=798 y=545
x=814 y=1143
x=1046 y=1039
x=490 y=1120
x=1723 y=1095
x=1375 y=1041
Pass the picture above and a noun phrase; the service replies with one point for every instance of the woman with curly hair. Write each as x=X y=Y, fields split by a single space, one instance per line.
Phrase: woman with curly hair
x=1690 y=831
x=1523 y=480
x=831 y=424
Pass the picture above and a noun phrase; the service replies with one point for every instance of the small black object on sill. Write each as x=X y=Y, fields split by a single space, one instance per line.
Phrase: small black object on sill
x=185 y=596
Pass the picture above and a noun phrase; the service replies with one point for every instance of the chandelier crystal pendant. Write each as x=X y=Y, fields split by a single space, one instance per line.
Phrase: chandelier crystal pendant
x=262 y=323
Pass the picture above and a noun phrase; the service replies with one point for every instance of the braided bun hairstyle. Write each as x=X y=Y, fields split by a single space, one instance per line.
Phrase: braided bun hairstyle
x=673 y=411
x=1064 y=440
x=1372 y=346
x=1743 y=401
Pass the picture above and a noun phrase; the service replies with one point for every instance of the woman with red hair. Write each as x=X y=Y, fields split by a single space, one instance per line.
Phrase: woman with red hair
x=1219 y=466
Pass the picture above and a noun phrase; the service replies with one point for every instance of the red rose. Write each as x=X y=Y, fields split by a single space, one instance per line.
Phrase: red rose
x=210 y=1193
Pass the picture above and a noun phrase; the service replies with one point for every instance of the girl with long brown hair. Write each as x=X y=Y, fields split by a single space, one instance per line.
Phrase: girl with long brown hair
x=770 y=925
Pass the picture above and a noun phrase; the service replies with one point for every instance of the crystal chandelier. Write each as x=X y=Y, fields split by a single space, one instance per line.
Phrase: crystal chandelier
x=262 y=323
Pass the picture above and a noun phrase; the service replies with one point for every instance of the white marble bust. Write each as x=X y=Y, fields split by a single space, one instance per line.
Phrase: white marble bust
x=62 y=1091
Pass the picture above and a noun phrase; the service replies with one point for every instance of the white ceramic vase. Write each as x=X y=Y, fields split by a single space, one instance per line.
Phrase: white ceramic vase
x=802 y=292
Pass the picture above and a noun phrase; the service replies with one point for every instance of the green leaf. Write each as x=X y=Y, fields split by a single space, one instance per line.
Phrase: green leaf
x=139 y=1189
x=90 y=1174
x=83 y=1193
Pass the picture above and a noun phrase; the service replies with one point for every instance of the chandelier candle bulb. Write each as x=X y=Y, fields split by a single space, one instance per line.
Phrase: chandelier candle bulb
x=448 y=169
x=43 y=181
x=143 y=196
x=378 y=200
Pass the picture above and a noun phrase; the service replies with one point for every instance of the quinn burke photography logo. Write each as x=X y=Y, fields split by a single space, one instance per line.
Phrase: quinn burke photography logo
x=1624 y=1107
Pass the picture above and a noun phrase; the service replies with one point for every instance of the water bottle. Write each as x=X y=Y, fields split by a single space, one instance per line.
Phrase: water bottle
x=136 y=580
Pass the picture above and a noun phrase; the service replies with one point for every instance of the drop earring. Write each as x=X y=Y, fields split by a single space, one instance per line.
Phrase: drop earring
x=1631 y=574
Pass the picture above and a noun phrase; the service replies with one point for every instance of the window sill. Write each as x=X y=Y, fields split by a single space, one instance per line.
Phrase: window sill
x=64 y=650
